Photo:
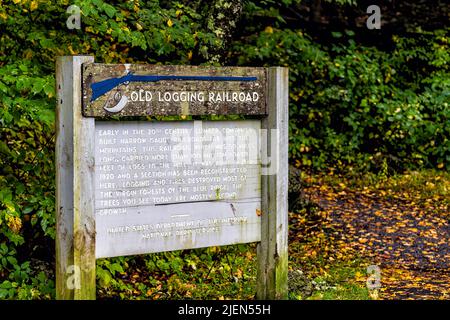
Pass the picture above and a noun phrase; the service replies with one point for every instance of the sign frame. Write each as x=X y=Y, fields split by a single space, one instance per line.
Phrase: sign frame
x=75 y=205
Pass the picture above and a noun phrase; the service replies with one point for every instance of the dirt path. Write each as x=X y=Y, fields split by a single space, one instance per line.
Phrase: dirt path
x=408 y=239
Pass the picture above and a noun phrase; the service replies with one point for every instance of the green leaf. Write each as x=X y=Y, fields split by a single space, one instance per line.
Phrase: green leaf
x=38 y=85
x=47 y=116
x=12 y=260
x=27 y=210
x=350 y=33
x=49 y=89
x=3 y=87
x=4 y=148
x=104 y=277
x=109 y=9
x=23 y=67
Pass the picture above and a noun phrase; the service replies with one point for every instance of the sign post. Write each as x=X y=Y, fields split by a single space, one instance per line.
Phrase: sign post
x=135 y=187
x=273 y=249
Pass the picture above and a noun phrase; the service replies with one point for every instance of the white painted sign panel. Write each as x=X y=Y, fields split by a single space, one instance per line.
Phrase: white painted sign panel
x=162 y=186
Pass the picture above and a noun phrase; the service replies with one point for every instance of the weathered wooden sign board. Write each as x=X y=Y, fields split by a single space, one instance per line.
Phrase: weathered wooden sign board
x=164 y=91
x=135 y=187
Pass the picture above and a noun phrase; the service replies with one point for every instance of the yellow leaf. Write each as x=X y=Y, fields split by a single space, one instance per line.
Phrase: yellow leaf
x=269 y=29
x=440 y=165
x=359 y=276
x=138 y=26
x=390 y=230
x=189 y=55
x=33 y=5
x=248 y=255
x=178 y=13
x=3 y=15
x=374 y=294
x=169 y=23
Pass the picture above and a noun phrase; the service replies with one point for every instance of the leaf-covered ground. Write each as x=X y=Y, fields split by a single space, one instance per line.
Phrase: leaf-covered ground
x=400 y=224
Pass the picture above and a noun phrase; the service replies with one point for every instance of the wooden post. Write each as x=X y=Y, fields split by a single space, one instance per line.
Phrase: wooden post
x=75 y=223
x=273 y=249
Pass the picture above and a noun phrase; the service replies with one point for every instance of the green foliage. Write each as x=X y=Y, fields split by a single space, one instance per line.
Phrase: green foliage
x=22 y=282
x=27 y=175
x=359 y=106
x=33 y=34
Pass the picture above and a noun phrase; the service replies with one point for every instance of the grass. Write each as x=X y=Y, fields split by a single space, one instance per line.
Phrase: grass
x=219 y=273
x=345 y=281
x=332 y=278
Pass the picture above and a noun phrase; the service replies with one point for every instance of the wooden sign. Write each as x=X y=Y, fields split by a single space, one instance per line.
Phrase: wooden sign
x=141 y=90
x=135 y=187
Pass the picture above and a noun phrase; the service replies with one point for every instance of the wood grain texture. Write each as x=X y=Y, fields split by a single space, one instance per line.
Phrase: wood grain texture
x=64 y=178
x=97 y=72
x=273 y=249
x=75 y=243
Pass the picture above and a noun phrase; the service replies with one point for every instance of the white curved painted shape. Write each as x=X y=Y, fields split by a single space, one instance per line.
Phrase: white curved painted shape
x=119 y=106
